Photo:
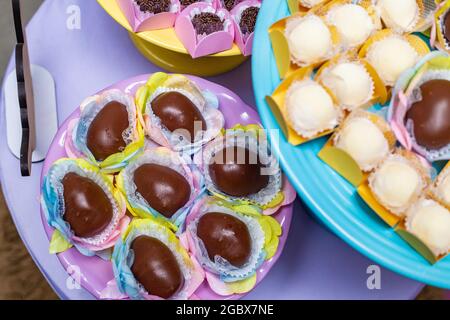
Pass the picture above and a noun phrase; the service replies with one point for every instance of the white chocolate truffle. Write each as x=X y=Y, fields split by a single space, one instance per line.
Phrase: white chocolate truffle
x=310 y=108
x=350 y=83
x=353 y=23
x=364 y=142
x=443 y=187
x=392 y=56
x=401 y=15
x=309 y=39
x=396 y=184
x=430 y=222
x=310 y=3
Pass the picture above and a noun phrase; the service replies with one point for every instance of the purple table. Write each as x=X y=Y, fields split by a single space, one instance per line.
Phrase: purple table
x=314 y=265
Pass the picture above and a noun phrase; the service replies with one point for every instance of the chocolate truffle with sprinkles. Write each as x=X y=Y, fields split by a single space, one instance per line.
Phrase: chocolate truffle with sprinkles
x=207 y=23
x=154 y=6
x=230 y=4
x=186 y=3
x=248 y=20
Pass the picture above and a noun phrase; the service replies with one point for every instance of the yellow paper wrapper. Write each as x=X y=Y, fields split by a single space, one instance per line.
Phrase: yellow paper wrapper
x=277 y=105
x=296 y=6
x=366 y=4
x=281 y=50
x=380 y=93
x=417 y=244
x=424 y=20
x=433 y=193
x=341 y=161
x=416 y=42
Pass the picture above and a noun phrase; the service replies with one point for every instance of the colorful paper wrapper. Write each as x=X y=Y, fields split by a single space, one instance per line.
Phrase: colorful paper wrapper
x=253 y=138
x=435 y=65
x=206 y=102
x=138 y=206
x=125 y=284
x=224 y=278
x=76 y=137
x=52 y=202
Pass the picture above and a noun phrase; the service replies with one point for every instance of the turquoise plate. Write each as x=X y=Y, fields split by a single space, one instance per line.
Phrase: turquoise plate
x=333 y=200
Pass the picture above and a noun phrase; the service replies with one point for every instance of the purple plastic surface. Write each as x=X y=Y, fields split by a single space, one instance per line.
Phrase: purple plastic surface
x=314 y=265
x=95 y=272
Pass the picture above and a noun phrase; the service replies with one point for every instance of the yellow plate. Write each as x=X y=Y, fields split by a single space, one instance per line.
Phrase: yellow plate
x=183 y=63
x=165 y=38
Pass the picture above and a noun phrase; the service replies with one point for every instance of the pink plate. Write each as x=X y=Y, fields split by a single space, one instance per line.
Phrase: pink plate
x=95 y=272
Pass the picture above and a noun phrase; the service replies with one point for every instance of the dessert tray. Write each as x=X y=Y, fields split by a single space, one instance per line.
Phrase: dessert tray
x=104 y=262
x=179 y=42
x=326 y=160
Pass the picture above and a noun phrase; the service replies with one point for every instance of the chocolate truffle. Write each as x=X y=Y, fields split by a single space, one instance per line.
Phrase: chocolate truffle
x=186 y=3
x=154 y=6
x=206 y=23
x=176 y=112
x=237 y=172
x=230 y=4
x=225 y=236
x=248 y=20
x=446 y=26
x=164 y=189
x=105 y=134
x=88 y=209
x=431 y=115
x=155 y=267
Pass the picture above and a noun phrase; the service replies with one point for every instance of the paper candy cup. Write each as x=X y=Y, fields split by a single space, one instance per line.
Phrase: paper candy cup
x=244 y=42
x=379 y=91
x=342 y=162
x=53 y=206
x=126 y=283
x=223 y=278
x=253 y=138
x=162 y=156
x=420 y=46
x=76 y=137
x=435 y=62
x=200 y=45
x=285 y=64
x=140 y=21
x=277 y=104
x=206 y=102
x=296 y=6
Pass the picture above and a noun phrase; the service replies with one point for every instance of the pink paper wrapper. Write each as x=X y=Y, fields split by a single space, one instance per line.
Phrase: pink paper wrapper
x=201 y=45
x=141 y=21
x=243 y=41
x=215 y=3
